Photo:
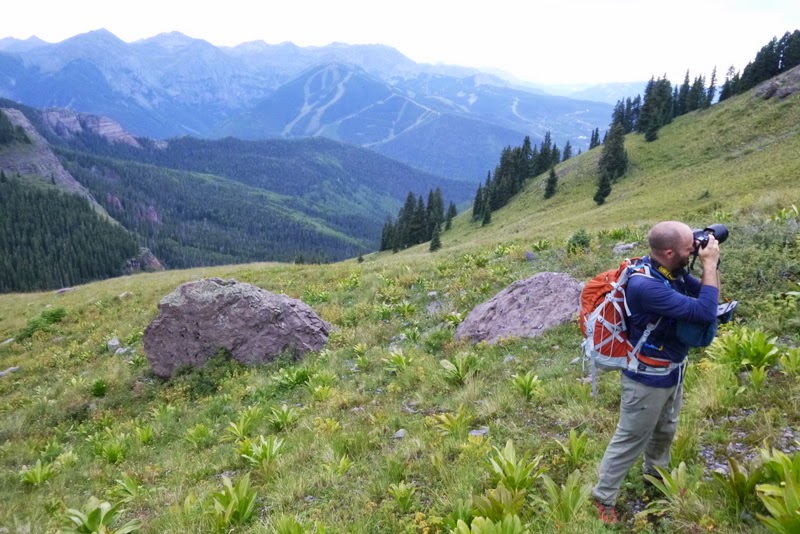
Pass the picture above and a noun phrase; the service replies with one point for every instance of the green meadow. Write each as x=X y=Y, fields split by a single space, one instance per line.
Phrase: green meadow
x=397 y=427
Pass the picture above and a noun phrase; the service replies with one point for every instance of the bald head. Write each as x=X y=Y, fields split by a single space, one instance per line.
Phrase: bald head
x=671 y=243
x=668 y=235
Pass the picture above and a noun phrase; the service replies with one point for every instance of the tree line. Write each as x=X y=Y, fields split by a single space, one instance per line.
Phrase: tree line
x=662 y=103
x=516 y=165
x=418 y=222
x=776 y=57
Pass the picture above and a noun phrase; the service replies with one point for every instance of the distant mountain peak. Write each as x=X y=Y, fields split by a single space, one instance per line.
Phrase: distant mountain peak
x=171 y=40
x=10 y=44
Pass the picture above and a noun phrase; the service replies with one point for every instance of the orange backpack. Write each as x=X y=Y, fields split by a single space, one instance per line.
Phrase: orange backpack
x=603 y=321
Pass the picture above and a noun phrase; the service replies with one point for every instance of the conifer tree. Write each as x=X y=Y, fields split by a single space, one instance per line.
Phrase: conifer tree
x=477 y=204
x=712 y=89
x=436 y=241
x=595 y=138
x=418 y=225
x=552 y=184
x=603 y=189
x=567 y=151
x=545 y=158
x=614 y=159
x=487 y=215
x=451 y=213
x=555 y=157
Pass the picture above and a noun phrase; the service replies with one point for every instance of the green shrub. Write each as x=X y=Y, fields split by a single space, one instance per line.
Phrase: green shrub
x=37 y=474
x=580 y=241
x=283 y=418
x=233 y=505
x=199 y=436
x=741 y=348
x=98 y=517
x=48 y=317
x=403 y=495
x=499 y=502
x=526 y=384
x=514 y=473
x=460 y=368
x=563 y=503
x=480 y=525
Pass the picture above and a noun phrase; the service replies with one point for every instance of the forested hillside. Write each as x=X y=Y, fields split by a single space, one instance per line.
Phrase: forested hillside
x=198 y=202
x=51 y=239
x=189 y=219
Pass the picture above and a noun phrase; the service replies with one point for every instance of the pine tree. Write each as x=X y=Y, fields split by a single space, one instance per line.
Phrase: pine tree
x=552 y=184
x=419 y=224
x=487 y=216
x=682 y=103
x=603 y=189
x=545 y=155
x=477 y=204
x=614 y=160
x=567 y=151
x=712 y=88
x=436 y=241
x=451 y=214
x=595 y=138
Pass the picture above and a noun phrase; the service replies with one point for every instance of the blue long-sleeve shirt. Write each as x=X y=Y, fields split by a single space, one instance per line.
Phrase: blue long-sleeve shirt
x=684 y=298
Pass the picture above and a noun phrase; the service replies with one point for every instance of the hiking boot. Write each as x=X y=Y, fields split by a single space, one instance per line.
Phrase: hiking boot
x=606 y=513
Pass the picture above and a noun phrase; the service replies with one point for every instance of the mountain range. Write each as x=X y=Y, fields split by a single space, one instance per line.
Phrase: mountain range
x=447 y=120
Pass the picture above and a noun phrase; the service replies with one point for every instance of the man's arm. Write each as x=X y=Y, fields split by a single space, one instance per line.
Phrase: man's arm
x=648 y=295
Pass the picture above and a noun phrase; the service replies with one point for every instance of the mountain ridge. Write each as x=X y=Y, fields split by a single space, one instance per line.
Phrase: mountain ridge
x=172 y=84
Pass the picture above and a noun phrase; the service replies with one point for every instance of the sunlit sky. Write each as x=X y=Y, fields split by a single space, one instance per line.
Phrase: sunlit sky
x=579 y=41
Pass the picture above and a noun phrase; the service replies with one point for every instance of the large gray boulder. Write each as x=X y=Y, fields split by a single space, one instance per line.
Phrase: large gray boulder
x=526 y=308
x=251 y=324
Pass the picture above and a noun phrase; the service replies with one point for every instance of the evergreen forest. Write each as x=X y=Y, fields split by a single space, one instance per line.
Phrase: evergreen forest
x=50 y=239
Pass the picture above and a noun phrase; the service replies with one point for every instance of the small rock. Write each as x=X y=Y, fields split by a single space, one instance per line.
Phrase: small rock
x=309 y=499
x=434 y=307
x=7 y=341
x=624 y=247
x=64 y=290
x=432 y=293
x=510 y=358
x=122 y=350
x=400 y=434
x=530 y=256
x=113 y=344
x=8 y=371
x=482 y=431
x=124 y=295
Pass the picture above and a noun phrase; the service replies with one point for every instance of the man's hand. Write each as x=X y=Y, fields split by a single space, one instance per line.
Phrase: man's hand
x=709 y=256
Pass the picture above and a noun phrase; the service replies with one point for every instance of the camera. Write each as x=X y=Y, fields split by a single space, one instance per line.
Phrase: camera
x=719 y=231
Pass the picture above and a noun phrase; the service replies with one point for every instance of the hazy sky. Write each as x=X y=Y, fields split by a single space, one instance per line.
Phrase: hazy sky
x=590 y=41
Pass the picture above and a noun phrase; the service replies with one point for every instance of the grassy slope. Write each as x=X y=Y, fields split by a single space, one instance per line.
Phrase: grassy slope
x=743 y=152
x=736 y=156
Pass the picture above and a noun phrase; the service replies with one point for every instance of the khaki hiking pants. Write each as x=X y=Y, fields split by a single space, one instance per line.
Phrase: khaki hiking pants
x=648 y=419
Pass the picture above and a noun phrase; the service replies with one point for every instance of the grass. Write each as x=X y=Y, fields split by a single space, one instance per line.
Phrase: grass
x=182 y=446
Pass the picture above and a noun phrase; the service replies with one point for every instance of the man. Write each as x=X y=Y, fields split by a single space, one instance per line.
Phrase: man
x=652 y=396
